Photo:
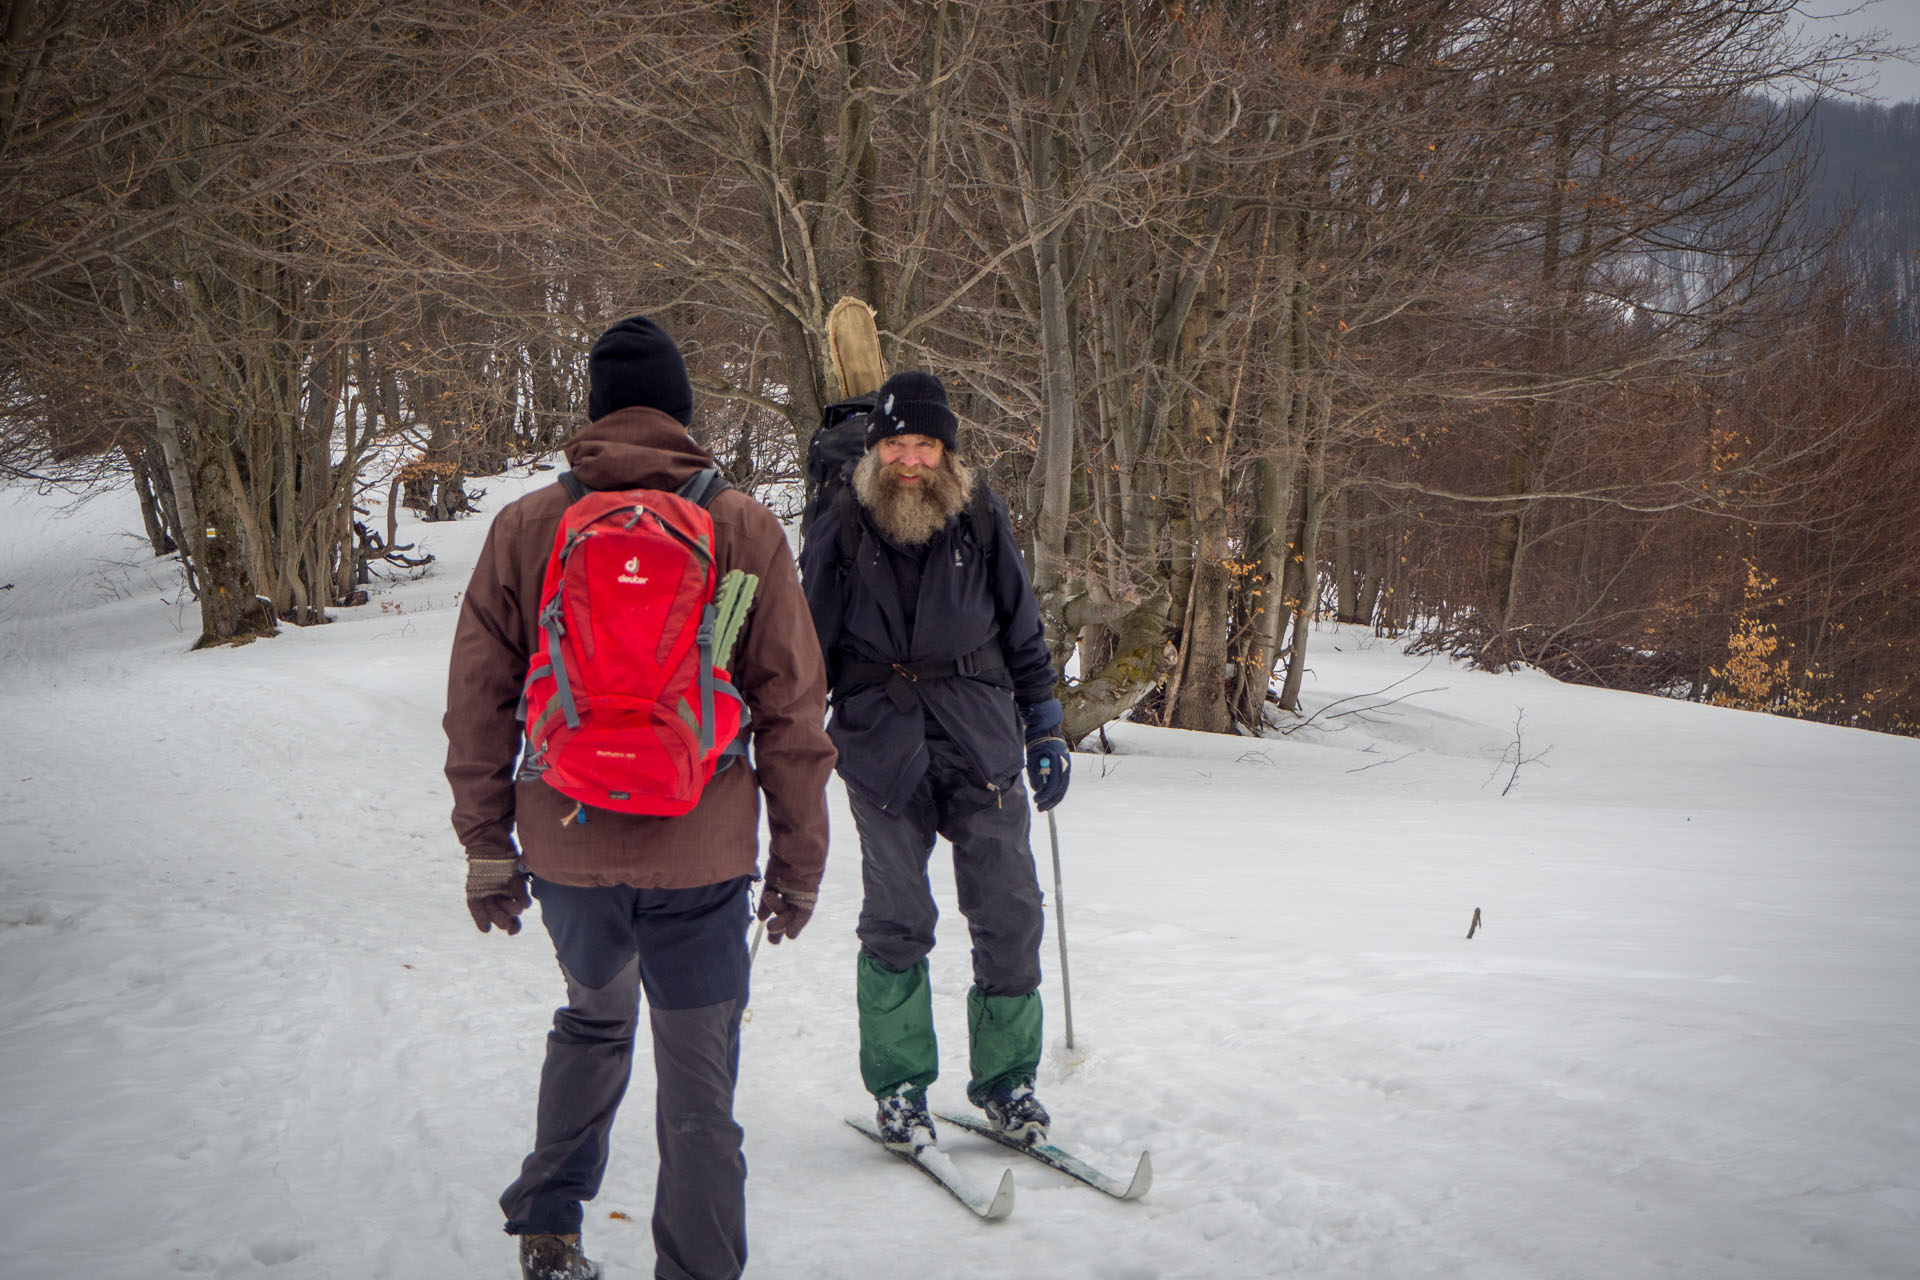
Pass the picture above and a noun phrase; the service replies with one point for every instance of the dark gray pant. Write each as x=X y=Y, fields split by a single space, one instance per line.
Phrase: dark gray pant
x=993 y=873
x=687 y=949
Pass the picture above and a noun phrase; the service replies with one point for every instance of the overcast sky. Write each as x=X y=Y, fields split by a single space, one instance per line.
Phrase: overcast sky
x=1886 y=80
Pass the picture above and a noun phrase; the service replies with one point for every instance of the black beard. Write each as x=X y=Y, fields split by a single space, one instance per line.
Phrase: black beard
x=910 y=514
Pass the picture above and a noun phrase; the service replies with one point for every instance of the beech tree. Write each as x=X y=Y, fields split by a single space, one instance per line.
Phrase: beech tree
x=1455 y=316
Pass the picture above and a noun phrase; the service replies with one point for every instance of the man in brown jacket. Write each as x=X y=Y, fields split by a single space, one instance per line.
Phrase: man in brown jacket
x=634 y=902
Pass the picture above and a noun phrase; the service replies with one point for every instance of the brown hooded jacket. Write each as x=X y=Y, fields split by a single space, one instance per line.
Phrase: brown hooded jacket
x=776 y=666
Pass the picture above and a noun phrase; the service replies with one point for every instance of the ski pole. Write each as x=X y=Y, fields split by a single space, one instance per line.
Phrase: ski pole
x=1060 y=927
x=759 y=932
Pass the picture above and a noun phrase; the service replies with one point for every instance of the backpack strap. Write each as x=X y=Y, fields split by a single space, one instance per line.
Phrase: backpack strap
x=555 y=628
x=703 y=486
x=846 y=509
x=979 y=515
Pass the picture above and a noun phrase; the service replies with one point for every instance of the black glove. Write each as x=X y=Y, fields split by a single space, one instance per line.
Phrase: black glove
x=786 y=911
x=1048 y=768
x=496 y=891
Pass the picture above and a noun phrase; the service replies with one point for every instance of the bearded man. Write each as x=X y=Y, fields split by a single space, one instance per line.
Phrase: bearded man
x=942 y=690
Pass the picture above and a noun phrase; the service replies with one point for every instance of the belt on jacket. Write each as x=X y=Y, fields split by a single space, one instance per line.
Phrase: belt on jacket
x=986 y=662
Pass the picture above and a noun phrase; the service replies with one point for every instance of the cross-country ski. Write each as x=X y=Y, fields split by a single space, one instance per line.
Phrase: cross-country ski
x=936 y=1164
x=1054 y=1156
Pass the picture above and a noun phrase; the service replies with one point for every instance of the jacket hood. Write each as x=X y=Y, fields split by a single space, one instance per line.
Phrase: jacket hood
x=635 y=448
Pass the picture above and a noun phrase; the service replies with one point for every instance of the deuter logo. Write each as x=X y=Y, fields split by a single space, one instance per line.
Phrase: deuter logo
x=632 y=576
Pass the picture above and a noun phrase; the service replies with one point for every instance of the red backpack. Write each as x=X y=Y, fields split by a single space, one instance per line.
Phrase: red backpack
x=624 y=706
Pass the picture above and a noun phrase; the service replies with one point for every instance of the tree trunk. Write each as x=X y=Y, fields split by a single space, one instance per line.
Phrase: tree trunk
x=231 y=606
x=1281 y=425
x=1313 y=505
x=1140 y=657
x=1346 y=578
x=1199 y=701
x=151 y=514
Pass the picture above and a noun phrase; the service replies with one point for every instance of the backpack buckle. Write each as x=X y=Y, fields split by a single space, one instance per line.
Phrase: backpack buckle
x=967 y=664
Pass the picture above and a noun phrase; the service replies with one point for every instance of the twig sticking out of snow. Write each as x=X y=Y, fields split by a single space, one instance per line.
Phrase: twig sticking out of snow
x=1285 y=730
x=1377 y=763
x=1514 y=750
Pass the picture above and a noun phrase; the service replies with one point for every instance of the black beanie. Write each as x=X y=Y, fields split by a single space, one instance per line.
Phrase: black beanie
x=636 y=363
x=912 y=403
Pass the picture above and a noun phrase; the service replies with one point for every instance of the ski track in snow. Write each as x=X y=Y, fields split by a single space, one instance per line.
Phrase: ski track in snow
x=249 y=1030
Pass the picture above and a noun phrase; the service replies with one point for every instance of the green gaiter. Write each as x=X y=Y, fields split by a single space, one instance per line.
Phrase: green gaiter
x=1003 y=1042
x=896 y=1027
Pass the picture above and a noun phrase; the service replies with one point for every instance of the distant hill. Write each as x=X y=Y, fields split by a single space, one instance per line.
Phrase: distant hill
x=1870 y=168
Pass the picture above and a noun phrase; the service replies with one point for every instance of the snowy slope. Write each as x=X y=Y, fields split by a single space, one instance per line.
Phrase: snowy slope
x=248 y=1030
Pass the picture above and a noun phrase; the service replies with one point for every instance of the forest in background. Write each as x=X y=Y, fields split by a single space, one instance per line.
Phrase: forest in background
x=1531 y=331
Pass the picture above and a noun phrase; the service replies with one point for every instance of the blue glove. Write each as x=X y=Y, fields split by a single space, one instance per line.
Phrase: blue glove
x=1048 y=769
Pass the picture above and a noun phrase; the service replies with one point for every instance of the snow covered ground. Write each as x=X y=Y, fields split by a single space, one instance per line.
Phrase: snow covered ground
x=247 y=1029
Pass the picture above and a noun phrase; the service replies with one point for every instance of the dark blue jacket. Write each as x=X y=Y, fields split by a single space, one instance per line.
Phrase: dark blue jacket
x=971 y=596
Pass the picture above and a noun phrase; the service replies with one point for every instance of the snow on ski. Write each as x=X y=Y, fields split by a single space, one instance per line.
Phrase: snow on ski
x=936 y=1164
x=1066 y=1162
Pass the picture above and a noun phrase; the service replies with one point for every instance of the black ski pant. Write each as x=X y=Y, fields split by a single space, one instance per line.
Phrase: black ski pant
x=993 y=873
x=686 y=948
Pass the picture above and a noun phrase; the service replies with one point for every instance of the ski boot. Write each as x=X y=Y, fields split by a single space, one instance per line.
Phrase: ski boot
x=903 y=1120
x=555 y=1258
x=1018 y=1114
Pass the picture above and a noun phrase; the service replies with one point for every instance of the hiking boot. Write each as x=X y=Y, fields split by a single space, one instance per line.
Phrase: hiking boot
x=903 y=1120
x=1018 y=1114
x=555 y=1258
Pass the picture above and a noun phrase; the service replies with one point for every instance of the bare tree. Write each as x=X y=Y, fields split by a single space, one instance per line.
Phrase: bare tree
x=1440 y=312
